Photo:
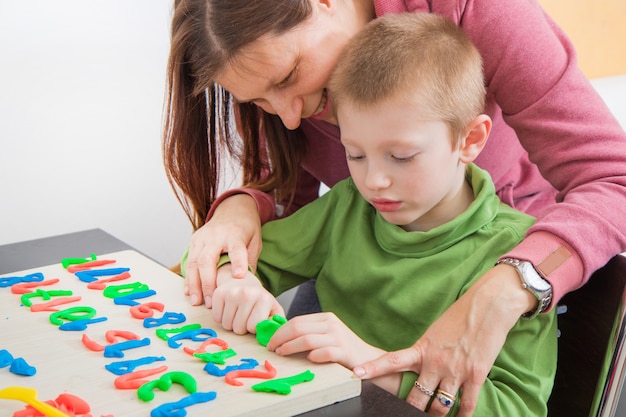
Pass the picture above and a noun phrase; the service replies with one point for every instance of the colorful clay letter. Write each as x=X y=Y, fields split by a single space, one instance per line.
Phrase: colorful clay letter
x=165 y=383
x=177 y=409
x=283 y=385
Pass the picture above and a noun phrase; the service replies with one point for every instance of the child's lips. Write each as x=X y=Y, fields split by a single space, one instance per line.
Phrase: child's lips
x=385 y=206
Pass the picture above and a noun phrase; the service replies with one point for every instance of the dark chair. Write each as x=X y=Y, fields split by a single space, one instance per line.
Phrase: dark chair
x=590 y=370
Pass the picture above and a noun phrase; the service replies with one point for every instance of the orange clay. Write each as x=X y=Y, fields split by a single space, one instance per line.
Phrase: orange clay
x=112 y=335
x=49 y=306
x=92 y=344
x=146 y=310
x=88 y=265
x=25 y=287
x=133 y=380
x=202 y=349
x=101 y=283
x=72 y=403
x=231 y=377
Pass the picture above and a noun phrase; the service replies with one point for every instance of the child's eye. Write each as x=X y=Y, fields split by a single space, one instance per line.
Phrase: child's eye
x=354 y=158
x=407 y=159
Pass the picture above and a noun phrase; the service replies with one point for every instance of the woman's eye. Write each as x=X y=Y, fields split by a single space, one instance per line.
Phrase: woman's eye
x=289 y=78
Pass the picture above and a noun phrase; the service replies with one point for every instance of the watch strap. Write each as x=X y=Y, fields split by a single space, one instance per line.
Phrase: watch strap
x=543 y=302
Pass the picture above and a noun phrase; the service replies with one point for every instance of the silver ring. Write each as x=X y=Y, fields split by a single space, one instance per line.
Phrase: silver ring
x=445 y=398
x=424 y=389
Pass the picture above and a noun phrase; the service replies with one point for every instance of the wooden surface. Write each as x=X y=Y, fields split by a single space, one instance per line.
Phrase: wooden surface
x=64 y=364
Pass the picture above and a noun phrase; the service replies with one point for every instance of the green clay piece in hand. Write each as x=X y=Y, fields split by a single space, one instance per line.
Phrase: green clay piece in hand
x=265 y=329
x=283 y=385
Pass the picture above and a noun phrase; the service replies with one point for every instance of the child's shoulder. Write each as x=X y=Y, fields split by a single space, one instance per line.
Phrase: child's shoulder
x=343 y=190
x=513 y=219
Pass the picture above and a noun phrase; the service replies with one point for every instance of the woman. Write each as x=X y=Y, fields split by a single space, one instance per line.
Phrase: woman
x=262 y=69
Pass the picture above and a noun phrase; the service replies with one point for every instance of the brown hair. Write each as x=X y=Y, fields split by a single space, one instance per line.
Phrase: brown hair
x=419 y=58
x=201 y=119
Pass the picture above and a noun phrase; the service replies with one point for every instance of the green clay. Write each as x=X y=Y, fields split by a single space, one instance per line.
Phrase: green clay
x=216 y=357
x=164 y=334
x=164 y=383
x=72 y=314
x=45 y=295
x=115 y=291
x=77 y=261
x=265 y=329
x=283 y=385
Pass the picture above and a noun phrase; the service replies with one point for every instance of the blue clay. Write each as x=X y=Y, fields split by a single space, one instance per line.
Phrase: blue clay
x=21 y=367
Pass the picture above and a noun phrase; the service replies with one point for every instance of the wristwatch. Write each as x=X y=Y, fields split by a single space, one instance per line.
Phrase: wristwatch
x=533 y=282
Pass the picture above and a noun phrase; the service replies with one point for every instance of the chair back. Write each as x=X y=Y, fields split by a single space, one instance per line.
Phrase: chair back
x=590 y=371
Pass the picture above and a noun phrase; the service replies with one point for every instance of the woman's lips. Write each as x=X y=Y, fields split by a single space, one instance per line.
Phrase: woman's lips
x=385 y=206
x=323 y=108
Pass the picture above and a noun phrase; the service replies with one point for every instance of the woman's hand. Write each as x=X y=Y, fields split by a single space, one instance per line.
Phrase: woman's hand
x=235 y=228
x=239 y=304
x=459 y=349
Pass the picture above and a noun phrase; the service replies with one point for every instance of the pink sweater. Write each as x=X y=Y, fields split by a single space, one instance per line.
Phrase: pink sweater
x=544 y=110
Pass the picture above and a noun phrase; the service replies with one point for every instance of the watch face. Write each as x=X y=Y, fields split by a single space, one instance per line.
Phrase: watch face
x=533 y=278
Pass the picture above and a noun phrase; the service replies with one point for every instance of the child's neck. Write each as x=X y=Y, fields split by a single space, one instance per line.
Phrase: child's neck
x=447 y=211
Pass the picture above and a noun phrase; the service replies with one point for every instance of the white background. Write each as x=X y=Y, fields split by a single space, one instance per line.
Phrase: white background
x=81 y=93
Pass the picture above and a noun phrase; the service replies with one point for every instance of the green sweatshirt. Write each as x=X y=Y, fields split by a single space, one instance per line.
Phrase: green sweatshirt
x=388 y=285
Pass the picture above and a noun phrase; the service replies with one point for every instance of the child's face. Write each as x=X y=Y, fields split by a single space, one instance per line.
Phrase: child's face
x=404 y=166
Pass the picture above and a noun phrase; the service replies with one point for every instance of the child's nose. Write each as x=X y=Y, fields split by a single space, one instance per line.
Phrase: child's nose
x=377 y=178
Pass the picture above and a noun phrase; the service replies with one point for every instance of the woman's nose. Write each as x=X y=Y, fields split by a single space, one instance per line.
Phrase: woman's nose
x=289 y=109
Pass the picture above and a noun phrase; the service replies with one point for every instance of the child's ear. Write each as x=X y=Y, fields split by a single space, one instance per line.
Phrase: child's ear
x=475 y=138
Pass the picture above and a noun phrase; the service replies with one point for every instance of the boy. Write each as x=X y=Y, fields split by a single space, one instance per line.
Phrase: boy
x=397 y=243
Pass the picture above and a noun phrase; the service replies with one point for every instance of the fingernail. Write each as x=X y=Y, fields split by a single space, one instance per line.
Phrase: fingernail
x=193 y=299
x=358 y=371
x=237 y=271
x=207 y=301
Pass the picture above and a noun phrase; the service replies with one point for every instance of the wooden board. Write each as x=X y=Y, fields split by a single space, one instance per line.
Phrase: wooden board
x=64 y=364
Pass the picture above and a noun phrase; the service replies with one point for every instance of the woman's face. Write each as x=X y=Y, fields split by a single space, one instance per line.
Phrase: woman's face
x=287 y=74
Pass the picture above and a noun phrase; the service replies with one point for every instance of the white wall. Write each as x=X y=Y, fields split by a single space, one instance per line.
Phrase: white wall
x=613 y=91
x=81 y=94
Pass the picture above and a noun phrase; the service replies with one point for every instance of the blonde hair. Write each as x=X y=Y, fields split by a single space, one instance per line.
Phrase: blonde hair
x=419 y=58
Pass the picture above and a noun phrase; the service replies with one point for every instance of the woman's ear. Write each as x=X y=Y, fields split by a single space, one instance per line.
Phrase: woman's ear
x=475 y=138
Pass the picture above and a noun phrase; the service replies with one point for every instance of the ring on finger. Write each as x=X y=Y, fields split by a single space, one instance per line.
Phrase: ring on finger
x=445 y=398
x=424 y=389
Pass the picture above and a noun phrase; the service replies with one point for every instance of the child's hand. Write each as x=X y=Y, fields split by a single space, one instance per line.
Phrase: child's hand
x=239 y=304
x=326 y=337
